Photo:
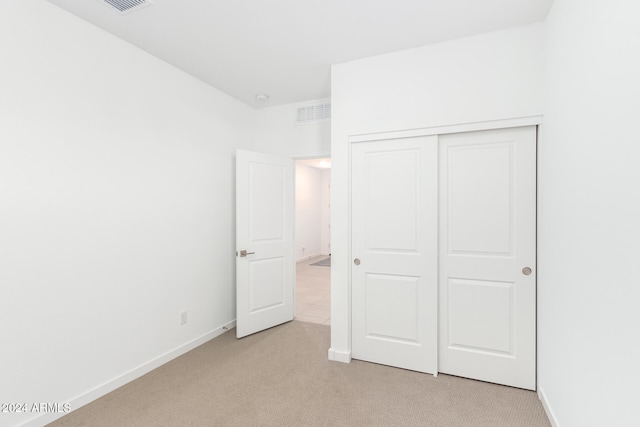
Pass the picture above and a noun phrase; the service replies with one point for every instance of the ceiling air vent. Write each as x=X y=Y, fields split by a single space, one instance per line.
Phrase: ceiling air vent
x=127 y=6
x=312 y=113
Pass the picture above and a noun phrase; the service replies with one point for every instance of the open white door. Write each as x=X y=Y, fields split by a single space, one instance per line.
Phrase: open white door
x=264 y=241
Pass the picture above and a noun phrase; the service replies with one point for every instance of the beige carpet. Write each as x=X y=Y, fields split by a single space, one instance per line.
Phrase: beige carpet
x=281 y=377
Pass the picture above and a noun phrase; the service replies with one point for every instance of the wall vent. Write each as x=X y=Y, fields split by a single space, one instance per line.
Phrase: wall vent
x=127 y=6
x=312 y=113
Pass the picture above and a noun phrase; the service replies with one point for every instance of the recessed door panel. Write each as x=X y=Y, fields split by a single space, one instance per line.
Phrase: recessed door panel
x=392 y=200
x=266 y=202
x=481 y=316
x=392 y=307
x=479 y=181
x=267 y=284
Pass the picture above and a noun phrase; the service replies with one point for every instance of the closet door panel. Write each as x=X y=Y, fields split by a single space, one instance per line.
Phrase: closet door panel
x=394 y=247
x=487 y=285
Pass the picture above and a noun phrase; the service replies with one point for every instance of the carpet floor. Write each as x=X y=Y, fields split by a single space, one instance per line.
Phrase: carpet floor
x=281 y=377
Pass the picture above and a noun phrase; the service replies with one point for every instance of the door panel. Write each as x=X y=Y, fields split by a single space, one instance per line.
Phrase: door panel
x=267 y=284
x=400 y=292
x=481 y=315
x=479 y=181
x=394 y=237
x=266 y=203
x=388 y=200
x=487 y=236
x=264 y=229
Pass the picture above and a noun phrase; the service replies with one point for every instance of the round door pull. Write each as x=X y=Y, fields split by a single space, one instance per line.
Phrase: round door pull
x=526 y=271
x=356 y=261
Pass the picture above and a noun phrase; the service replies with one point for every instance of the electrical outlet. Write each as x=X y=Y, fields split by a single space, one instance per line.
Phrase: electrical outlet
x=183 y=318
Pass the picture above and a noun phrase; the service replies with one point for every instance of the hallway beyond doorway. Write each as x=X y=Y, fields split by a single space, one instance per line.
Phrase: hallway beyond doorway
x=313 y=292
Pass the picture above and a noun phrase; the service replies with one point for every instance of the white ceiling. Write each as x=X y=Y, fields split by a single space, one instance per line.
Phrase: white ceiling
x=284 y=48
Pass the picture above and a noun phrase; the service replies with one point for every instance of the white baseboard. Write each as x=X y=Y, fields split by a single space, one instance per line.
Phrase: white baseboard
x=308 y=257
x=547 y=408
x=103 y=389
x=340 y=356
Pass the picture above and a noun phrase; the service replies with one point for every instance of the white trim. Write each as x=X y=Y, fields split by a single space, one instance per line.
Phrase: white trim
x=308 y=257
x=319 y=156
x=547 y=408
x=350 y=249
x=340 y=355
x=456 y=128
x=103 y=389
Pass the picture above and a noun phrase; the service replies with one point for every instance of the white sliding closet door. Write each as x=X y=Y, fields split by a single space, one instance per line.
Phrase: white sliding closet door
x=444 y=254
x=394 y=247
x=487 y=249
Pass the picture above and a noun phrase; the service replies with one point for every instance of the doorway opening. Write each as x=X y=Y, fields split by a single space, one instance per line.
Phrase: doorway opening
x=312 y=240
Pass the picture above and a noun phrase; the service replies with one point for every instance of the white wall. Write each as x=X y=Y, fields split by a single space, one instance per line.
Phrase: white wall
x=589 y=210
x=279 y=134
x=486 y=77
x=116 y=208
x=308 y=209
x=312 y=212
x=325 y=211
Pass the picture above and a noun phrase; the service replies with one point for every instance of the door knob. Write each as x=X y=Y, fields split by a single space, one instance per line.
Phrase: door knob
x=356 y=261
x=244 y=253
x=526 y=271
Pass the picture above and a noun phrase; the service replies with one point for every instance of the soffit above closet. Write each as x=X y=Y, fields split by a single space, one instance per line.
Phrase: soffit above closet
x=284 y=48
